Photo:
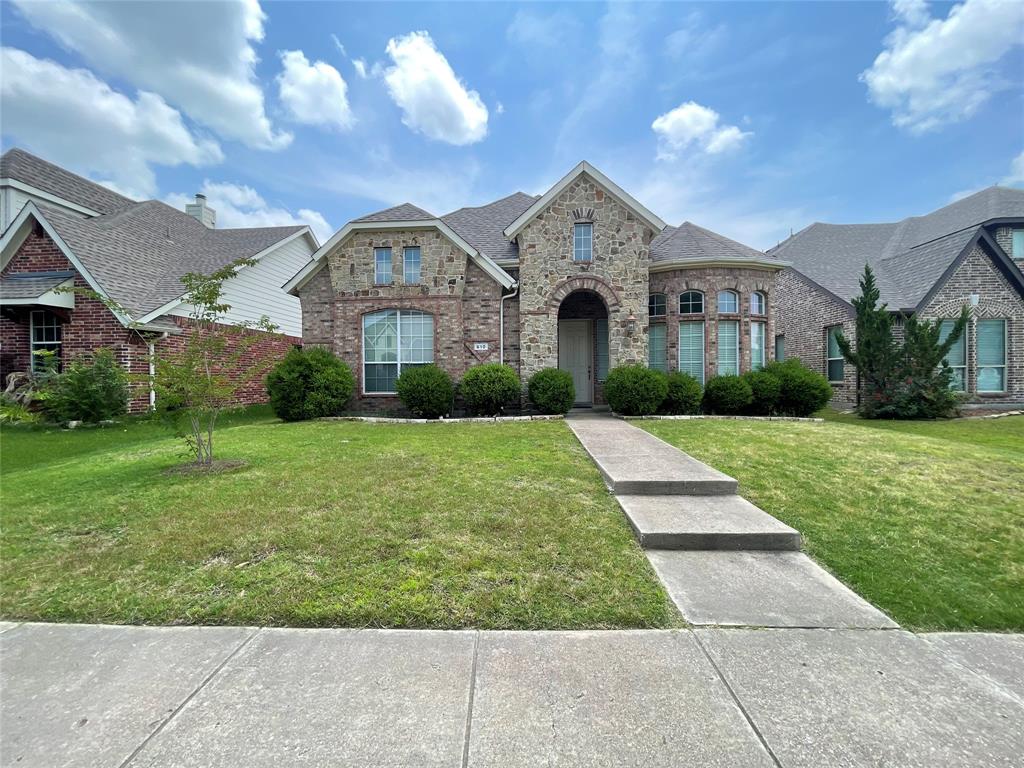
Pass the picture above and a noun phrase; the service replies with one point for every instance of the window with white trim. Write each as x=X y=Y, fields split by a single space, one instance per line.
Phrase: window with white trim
x=411 y=265
x=956 y=358
x=691 y=348
x=728 y=347
x=757 y=331
x=583 y=242
x=382 y=266
x=991 y=352
x=657 y=351
x=757 y=303
x=833 y=357
x=656 y=305
x=45 y=334
x=691 y=303
x=728 y=302
x=392 y=341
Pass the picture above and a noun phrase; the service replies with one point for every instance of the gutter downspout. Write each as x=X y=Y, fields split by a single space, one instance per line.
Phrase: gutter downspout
x=501 y=322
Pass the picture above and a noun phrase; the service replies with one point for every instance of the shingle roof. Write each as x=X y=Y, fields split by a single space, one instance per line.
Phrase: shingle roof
x=31 y=285
x=482 y=227
x=690 y=242
x=403 y=212
x=908 y=256
x=27 y=168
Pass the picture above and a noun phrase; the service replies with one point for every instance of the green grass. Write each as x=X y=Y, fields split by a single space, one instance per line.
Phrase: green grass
x=924 y=519
x=329 y=524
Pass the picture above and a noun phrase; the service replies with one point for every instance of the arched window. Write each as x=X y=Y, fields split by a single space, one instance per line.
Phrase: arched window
x=757 y=303
x=656 y=305
x=691 y=303
x=393 y=340
x=728 y=302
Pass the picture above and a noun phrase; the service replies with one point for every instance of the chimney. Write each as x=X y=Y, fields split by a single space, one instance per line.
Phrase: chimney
x=200 y=211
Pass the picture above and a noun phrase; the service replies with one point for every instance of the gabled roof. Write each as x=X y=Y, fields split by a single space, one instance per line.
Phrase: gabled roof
x=482 y=226
x=20 y=287
x=690 y=244
x=19 y=165
x=610 y=186
x=403 y=212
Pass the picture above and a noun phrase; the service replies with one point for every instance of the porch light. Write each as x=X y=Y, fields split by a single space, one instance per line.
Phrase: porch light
x=631 y=324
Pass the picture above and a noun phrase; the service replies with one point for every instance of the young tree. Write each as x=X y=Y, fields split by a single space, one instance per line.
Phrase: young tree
x=876 y=352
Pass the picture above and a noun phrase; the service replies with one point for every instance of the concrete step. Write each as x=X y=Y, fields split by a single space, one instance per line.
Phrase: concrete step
x=705 y=522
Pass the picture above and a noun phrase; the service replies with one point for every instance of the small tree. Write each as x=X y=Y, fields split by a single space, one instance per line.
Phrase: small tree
x=875 y=354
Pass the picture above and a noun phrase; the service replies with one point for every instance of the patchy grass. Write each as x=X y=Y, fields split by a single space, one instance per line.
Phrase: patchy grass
x=924 y=519
x=326 y=524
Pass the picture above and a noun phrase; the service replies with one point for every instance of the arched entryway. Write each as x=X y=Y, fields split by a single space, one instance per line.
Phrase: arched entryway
x=583 y=343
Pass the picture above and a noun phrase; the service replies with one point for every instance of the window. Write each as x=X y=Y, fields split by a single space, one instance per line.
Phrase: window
x=45 y=333
x=728 y=302
x=656 y=305
x=601 y=348
x=956 y=357
x=757 y=303
x=411 y=265
x=780 y=348
x=691 y=303
x=691 y=349
x=728 y=347
x=393 y=340
x=1017 y=243
x=657 y=353
x=991 y=355
x=583 y=242
x=757 y=346
x=382 y=266
x=834 y=358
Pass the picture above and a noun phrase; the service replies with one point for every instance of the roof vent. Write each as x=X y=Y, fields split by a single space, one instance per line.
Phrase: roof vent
x=200 y=211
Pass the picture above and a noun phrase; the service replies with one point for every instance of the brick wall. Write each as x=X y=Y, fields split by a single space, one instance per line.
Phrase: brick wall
x=1004 y=236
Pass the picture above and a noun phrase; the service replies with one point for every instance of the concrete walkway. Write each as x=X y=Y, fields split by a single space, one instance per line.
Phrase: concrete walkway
x=81 y=695
x=723 y=561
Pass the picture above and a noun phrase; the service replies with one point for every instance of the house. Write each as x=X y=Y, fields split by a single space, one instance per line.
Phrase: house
x=61 y=230
x=969 y=253
x=582 y=277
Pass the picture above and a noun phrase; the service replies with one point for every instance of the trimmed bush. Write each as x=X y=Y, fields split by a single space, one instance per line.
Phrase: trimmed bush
x=426 y=390
x=488 y=388
x=552 y=391
x=308 y=384
x=635 y=390
x=88 y=390
x=802 y=391
x=684 y=394
x=766 y=390
x=727 y=395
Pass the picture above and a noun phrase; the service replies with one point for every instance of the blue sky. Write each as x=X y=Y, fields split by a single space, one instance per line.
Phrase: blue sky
x=748 y=118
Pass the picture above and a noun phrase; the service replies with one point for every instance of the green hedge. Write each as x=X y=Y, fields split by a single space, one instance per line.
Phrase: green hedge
x=489 y=388
x=684 y=394
x=426 y=390
x=552 y=391
x=635 y=390
x=308 y=384
x=727 y=395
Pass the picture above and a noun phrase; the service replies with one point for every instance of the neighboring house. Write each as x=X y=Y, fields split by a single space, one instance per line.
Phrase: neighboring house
x=583 y=278
x=969 y=253
x=61 y=230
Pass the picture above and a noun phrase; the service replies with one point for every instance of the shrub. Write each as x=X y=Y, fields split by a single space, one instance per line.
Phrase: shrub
x=488 y=388
x=727 y=395
x=16 y=413
x=801 y=390
x=89 y=391
x=552 y=391
x=426 y=390
x=309 y=383
x=635 y=390
x=684 y=394
x=766 y=389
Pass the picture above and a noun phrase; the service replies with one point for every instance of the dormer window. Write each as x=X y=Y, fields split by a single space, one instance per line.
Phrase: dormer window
x=583 y=242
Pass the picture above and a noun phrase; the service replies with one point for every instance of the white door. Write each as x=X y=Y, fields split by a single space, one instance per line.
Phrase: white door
x=575 y=355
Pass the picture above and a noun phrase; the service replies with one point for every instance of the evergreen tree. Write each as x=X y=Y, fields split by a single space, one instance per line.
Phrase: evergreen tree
x=876 y=352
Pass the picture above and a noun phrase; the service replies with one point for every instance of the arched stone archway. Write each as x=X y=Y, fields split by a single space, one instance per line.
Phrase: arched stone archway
x=582 y=342
x=588 y=283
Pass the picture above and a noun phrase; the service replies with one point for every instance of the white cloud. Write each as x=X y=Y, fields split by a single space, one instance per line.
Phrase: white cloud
x=693 y=124
x=360 y=67
x=939 y=71
x=1016 y=175
x=338 y=44
x=433 y=100
x=198 y=56
x=694 y=39
x=240 y=206
x=315 y=94
x=532 y=30
x=72 y=118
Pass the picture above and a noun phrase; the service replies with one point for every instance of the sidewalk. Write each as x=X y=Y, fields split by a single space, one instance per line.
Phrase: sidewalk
x=78 y=695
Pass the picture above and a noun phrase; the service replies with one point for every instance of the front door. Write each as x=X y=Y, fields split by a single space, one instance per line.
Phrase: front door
x=576 y=355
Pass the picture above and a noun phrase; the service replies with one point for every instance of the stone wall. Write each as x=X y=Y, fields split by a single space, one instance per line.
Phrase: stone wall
x=442 y=265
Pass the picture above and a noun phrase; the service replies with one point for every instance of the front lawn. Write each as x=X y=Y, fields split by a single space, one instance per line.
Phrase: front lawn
x=329 y=524
x=924 y=519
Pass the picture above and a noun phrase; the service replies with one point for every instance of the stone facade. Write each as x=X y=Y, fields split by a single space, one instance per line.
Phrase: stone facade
x=442 y=265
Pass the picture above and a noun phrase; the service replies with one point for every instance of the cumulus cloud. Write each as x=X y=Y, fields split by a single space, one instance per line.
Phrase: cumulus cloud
x=691 y=124
x=114 y=137
x=197 y=56
x=934 y=72
x=433 y=100
x=314 y=94
x=238 y=205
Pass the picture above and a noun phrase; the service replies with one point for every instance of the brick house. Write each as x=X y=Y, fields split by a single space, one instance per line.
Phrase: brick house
x=969 y=253
x=582 y=278
x=61 y=230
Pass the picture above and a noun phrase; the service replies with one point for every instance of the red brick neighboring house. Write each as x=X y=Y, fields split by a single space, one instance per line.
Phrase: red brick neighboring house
x=62 y=230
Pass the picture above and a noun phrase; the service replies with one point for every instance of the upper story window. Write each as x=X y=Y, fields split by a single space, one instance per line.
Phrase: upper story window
x=757 y=303
x=1017 y=243
x=583 y=242
x=411 y=265
x=691 y=303
x=382 y=266
x=656 y=305
x=728 y=302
